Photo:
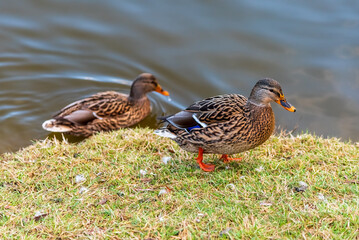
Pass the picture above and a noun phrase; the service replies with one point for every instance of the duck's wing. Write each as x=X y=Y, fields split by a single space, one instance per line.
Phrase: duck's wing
x=218 y=108
x=208 y=111
x=100 y=105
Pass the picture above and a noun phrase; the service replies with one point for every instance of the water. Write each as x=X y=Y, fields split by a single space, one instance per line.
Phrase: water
x=55 y=52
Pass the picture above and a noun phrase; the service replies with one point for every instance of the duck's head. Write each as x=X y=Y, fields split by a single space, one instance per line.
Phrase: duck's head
x=145 y=83
x=268 y=90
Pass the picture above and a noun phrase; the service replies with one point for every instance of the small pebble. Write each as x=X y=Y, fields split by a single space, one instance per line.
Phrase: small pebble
x=321 y=197
x=79 y=178
x=39 y=215
x=260 y=169
x=166 y=159
x=225 y=231
x=83 y=190
x=120 y=194
x=266 y=204
x=161 y=218
x=302 y=187
x=143 y=172
x=231 y=186
x=162 y=191
x=302 y=184
x=198 y=219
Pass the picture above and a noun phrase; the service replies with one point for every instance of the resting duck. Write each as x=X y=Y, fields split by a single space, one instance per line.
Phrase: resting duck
x=226 y=124
x=106 y=111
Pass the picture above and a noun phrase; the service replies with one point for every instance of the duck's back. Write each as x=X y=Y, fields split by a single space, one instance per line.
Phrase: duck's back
x=218 y=108
x=104 y=111
x=103 y=103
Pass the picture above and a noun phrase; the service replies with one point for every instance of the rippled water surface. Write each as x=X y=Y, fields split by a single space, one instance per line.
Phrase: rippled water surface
x=55 y=52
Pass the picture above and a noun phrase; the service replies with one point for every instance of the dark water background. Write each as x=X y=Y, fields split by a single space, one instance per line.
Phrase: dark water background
x=55 y=52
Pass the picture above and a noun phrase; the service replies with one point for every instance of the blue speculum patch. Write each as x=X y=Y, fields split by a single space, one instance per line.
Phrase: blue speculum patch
x=190 y=128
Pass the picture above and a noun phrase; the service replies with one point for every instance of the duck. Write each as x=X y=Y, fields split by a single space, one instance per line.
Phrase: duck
x=226 y=124
x=106 y=111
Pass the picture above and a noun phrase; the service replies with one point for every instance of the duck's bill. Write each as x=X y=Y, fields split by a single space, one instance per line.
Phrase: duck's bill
x=160 y=90
x=286 y=105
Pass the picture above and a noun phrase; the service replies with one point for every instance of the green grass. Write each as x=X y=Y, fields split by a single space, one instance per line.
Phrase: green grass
x=253 y=199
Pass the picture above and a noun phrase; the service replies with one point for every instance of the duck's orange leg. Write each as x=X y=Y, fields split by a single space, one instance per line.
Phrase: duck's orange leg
x=227 y=159
x=203 y=166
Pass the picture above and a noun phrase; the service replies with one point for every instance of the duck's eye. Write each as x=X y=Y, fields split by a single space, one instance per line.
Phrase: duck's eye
x=275 y=92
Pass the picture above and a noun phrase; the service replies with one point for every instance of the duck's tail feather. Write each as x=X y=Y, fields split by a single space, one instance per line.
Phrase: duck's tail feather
x=164 y=132
x=52 y=125
x=164 y=118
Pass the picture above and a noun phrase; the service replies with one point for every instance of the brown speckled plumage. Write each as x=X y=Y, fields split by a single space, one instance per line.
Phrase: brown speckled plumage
x=106 y=111
x=227 y=124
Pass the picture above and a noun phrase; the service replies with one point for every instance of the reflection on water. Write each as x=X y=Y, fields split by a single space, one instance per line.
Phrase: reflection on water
x=55 y=52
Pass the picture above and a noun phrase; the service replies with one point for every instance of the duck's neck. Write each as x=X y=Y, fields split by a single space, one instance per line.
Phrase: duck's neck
x=136 y=94
x=259 y=98
x=257 y=104
x=263 y=117
x=258 y=108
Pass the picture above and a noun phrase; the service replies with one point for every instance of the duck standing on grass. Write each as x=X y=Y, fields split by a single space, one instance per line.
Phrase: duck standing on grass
x=106 y=111
x=226 y=124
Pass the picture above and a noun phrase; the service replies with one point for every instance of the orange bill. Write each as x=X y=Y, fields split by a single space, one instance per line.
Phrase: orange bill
x=286 y=105
x=160 y=90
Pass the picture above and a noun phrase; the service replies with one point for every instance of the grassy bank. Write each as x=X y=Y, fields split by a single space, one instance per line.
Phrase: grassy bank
x=117 y=185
